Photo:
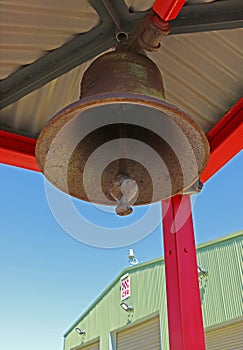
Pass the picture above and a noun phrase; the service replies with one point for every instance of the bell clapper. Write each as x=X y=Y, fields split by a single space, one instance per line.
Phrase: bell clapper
x=124 y=190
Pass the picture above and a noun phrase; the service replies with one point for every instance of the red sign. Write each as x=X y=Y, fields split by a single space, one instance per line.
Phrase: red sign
x=125 y=287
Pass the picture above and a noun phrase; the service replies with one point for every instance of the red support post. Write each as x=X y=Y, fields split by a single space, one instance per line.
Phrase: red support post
x=186 y=330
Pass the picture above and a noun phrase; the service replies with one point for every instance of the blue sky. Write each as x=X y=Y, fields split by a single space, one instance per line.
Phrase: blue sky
x=48 y=278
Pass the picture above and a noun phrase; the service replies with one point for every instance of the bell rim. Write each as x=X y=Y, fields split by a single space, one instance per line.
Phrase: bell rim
x=113 y=98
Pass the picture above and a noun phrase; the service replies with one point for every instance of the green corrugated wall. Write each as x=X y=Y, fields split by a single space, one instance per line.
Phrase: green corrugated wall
x=222 y=290
x=107 y=314
x=221 y=294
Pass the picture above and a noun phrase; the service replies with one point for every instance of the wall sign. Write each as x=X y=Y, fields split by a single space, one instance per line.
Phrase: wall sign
x=125 y=287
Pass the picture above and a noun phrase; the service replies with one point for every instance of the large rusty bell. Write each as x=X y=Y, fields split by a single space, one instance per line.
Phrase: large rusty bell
x=121 y=142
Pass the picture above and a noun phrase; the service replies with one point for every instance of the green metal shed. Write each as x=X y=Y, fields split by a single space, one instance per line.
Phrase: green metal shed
x=108 y=327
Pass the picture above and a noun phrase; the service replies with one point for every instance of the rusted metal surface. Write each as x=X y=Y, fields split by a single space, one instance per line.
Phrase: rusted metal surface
x=122 y=116
x=148 y=33
x=122 y=71
x=154 y=29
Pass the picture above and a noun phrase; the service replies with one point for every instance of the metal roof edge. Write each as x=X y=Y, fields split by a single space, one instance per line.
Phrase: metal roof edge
x=220 y=240
x=142 y=265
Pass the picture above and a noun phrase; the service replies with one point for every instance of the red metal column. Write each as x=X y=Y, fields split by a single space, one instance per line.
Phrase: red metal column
x=183 y=296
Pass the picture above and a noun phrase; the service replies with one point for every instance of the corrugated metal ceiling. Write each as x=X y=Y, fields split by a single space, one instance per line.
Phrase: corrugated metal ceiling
x=30 y=28
x=139 y=5
x=30 y=114
x=202 y=71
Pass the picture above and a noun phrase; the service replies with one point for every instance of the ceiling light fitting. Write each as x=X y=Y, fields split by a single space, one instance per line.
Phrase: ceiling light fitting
x=122 y=142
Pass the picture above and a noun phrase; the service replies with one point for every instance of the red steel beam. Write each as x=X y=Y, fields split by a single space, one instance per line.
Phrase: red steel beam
x=225 y=139
x=18 y=150
x=168 y=9
x=185 y=321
